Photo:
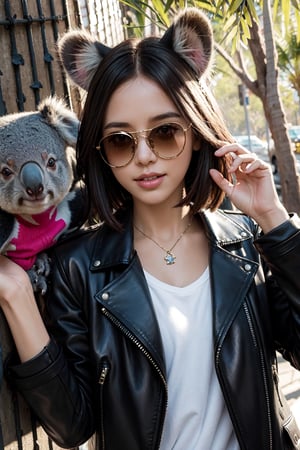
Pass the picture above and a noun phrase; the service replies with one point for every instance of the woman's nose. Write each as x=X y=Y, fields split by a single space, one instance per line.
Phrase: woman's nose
x=143 y=152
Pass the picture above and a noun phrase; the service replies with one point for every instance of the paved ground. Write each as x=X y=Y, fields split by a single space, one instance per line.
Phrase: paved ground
x=290 y=384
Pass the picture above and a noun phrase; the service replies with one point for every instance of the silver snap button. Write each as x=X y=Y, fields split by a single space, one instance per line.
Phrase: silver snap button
x=296 y=438
x=244 y=234
x=97 y=263
x=247 y=267
x=105 y=296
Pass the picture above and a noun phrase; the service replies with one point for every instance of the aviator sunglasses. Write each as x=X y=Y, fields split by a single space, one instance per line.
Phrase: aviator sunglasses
x=166 y=141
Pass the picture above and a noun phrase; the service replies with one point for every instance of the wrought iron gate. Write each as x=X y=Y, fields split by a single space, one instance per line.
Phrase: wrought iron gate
x=29 y=69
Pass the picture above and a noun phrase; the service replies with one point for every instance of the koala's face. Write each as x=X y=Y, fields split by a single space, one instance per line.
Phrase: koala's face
x=35 y=167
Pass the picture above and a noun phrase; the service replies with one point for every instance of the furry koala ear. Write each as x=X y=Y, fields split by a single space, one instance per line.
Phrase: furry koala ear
x=191 y=37
x=56 y=114
x=81 y=54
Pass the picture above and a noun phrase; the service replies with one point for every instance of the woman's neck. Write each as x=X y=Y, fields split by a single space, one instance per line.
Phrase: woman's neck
x=165 y=223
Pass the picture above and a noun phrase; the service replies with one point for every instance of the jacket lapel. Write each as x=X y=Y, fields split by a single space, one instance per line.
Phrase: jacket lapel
x=230 y=271
x=127 y=296
x=231 y=278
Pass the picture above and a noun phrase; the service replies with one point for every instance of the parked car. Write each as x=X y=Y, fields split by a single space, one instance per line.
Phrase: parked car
x=264 y=151
x=294 y=133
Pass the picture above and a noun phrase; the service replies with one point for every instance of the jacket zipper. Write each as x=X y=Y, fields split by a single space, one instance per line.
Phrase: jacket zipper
x=248 y=316
x=263 y=370
x=131 y=336
x=101 y=381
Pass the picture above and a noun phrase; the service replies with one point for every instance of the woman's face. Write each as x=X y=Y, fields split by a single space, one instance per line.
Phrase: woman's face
x=140 y=104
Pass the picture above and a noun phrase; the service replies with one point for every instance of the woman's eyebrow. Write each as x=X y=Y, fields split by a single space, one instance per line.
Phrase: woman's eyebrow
x=116 y=125
x=167 y=115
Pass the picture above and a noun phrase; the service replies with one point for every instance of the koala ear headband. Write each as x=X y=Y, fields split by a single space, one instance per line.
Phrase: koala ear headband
x=190 y=37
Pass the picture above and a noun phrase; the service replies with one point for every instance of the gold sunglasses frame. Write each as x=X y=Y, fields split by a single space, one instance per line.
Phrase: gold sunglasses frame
x=134 y=135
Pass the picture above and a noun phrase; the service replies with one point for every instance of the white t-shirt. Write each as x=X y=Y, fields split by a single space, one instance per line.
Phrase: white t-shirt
x=197 y=417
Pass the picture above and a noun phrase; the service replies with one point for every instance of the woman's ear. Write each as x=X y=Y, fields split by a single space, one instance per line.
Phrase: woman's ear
x=80 y=55
x=191 y=37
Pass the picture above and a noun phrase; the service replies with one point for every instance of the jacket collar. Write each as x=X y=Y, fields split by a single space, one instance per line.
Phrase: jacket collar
x=112 y=247
x=222 y=229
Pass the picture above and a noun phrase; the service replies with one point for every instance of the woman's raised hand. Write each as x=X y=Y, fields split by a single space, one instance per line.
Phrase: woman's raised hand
x=252 y=191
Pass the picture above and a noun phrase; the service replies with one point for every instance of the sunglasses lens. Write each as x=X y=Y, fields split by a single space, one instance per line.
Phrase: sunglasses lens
x=167 y=140
x=117 y=149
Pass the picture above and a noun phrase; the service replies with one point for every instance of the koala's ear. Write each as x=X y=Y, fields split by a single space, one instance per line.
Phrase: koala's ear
x=81 y=54
x=56 y=114
x=191 y=37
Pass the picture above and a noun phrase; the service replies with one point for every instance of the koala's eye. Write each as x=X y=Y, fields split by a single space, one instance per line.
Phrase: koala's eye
x=6 y=172
x=51 y=163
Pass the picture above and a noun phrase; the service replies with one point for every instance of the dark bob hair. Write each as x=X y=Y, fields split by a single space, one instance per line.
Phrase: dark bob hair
x=194 y=101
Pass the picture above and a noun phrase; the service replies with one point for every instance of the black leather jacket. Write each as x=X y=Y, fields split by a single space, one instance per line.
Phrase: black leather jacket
x=104 y=371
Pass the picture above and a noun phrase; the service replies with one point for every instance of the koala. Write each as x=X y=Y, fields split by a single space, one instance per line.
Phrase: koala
x=39 y=198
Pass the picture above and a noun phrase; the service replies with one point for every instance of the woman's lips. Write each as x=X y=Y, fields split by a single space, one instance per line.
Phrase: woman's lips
x=150 y=181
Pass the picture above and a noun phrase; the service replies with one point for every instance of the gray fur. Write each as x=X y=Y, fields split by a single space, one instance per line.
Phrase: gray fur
x=44 y=137
x=37 y=161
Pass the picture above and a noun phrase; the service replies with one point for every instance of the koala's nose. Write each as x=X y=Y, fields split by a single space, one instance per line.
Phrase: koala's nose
x=31 y=176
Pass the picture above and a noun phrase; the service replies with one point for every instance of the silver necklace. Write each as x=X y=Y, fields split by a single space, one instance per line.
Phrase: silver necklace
x=169 y=256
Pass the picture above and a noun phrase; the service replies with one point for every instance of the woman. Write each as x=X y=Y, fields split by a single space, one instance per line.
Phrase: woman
x=164 y=320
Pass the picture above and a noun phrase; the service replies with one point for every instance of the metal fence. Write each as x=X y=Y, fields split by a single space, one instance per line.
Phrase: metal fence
x=29 y=69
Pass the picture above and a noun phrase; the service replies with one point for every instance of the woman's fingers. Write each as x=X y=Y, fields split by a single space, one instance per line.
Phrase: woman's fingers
x=241 y=159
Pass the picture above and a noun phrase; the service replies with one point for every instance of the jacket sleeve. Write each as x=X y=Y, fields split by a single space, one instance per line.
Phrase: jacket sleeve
x=280 y=248
x=57 y=383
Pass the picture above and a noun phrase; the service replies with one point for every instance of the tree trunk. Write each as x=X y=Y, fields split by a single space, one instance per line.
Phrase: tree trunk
x=289 y=179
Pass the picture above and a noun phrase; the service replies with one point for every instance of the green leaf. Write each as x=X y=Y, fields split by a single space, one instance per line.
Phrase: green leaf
x=234 y=6
x=160 y=12
x=232 y=34
x=230 y=22
x=169 y=4
x=275 y=9
x=286 y=8
x=251 y=8
x=207 y=6
x=235 y=43
x=246 y=32
x=248 y=17
x=297 y=15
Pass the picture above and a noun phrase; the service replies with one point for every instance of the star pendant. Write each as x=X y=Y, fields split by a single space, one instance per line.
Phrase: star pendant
x=169 y=258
